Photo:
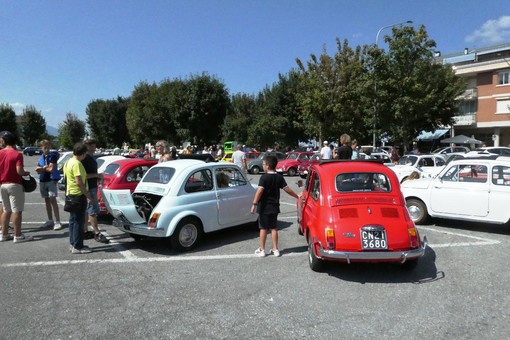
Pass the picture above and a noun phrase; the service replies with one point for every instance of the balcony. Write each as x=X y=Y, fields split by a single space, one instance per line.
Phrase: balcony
x=465 y=120
x=469 y=94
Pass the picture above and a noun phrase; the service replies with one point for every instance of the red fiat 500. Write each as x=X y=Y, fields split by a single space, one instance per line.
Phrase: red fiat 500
x=354 y=211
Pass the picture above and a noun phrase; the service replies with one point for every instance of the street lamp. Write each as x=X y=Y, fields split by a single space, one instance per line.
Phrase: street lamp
x=375 y=84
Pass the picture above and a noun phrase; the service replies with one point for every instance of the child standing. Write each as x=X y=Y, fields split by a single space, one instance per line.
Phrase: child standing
x=267 y=203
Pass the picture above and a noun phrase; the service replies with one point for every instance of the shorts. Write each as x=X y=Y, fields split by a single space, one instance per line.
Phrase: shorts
x=13 y=197
x=48 y=189
x=268 y=221
x=93 y=208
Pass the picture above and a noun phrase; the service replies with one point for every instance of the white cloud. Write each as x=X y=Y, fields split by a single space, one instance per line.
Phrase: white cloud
x=18 y=107
x=492 y=32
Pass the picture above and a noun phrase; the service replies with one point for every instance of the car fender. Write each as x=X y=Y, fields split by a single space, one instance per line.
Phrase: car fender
x=179 y=217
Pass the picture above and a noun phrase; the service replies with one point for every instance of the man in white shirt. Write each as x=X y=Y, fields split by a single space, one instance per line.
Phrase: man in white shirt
x=239 y=158
x=326 y=151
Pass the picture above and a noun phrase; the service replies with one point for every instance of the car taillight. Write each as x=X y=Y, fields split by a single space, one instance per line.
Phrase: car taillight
x=154 y=220
x=414 y=237
x=330 y=238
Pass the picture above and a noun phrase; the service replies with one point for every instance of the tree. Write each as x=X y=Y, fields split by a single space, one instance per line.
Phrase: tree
x=239 y=118
x=71 y=131
x=8 y=119
x=107 y=121
x=413 y=92
x=33 y=125
x=332 y=93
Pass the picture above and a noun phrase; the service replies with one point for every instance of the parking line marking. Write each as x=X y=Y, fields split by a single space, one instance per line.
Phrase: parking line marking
x=139 y=260
x=482 y=241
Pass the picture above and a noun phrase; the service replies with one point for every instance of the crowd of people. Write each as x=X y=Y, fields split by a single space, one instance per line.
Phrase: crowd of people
x=81 y=180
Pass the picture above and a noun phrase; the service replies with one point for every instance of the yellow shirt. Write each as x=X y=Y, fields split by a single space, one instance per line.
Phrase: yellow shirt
x=73 y=168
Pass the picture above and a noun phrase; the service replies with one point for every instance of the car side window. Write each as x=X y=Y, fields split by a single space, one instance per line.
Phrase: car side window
x=440 y=162
x=466 y=173
x=199 y=181
x=501 y=175
x=229 y=177
x=315 y=190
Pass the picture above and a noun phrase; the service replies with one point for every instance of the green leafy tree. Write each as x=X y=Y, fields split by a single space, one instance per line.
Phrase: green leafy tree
x=107 y=121
x=33 y=125
x=147 y=118
x=71 y=131
x=413 y=92
x=332 y=93
x=205 y=106
x=239 y=118
x=8 y=118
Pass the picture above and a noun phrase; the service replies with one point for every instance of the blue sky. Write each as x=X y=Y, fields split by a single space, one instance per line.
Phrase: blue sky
x=60 y=55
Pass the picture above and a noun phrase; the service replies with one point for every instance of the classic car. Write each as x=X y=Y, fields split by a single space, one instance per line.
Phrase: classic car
x=182 y=200
x=354 y=211
x=495 y=150
x=427 y=165
x=255 y=165
x=104 y=161
x=124 y=173
x=451 y=150
x=290 y=164
x=302 y=168
x=30 y=151
x=469 y=189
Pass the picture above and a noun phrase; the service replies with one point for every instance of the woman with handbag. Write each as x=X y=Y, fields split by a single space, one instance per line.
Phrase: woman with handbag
x=77 y=198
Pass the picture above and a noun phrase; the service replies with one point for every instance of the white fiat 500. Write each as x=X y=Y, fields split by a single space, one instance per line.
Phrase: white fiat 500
x=183 y=199
x=470 y=189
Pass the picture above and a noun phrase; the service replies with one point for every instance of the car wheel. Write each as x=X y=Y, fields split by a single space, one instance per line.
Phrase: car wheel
x=299 y=230
x=291 y=172
x=315 y=263
x=409 y=264
x=186 y=235
x=255 y=170
x=417 y=210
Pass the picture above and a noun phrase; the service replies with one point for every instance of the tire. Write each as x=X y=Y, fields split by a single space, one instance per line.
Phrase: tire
x=417 y=211
x=300 y=232
x=136 y=237
x=409 y=265
x=255 y=170
x=186 y=235
x=315 y=263
x=291 y=172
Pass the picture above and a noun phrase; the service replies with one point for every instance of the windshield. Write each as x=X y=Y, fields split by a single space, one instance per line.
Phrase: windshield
x=362 y=181
x=408 y=160
x=293 y=155
x=159 y=175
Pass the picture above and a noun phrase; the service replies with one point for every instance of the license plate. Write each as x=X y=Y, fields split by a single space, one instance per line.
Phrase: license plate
x=373 y=239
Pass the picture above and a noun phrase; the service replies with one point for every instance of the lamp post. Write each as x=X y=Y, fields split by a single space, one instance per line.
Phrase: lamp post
x=375 y=84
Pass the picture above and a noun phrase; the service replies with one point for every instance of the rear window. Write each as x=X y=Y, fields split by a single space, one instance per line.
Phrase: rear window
x=111 y=169
x=159 y=175
x=362 y=182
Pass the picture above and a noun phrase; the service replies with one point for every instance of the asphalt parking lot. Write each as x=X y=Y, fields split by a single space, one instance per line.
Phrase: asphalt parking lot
x=144 y=289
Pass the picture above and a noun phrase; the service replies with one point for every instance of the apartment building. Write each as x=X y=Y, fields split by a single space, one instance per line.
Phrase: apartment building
x=485 y=105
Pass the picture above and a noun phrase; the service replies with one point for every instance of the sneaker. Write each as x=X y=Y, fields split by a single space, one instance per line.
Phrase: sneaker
x=57 y=226
x=7 y=237
x=48 y=224
x=22 y=238
x=275 y=252
x=101 y=238
x=88 y=235
x=260 y=252
x=84 y=250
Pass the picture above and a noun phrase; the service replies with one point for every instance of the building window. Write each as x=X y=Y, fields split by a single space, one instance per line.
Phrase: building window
x=504 y=78
x=503 y=106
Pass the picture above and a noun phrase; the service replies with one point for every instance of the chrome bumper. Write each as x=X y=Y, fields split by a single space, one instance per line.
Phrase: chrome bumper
x=138 y=229
x=401 y=256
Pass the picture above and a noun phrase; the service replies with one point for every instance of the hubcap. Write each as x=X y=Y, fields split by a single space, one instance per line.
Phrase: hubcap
x=414 y=212
x=188 y=235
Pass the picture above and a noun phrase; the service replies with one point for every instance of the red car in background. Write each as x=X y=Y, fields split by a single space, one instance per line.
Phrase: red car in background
x=354 y=211
x=290 y=164
x=123 y=174
x=303 y=167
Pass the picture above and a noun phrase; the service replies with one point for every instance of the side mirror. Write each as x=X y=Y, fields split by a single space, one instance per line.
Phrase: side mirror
x=300 y=183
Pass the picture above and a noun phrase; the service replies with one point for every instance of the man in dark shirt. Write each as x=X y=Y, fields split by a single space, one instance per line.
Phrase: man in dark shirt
x=90 y=165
